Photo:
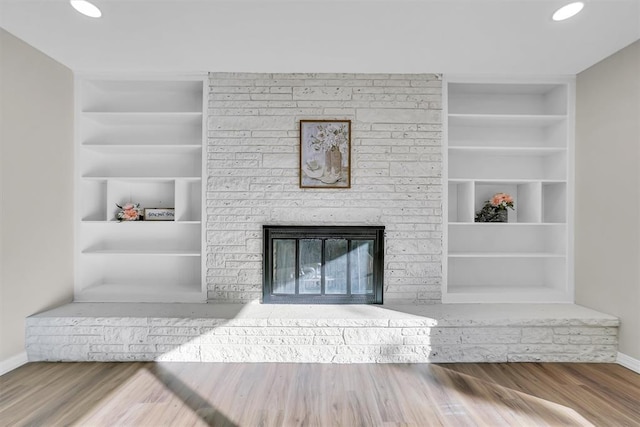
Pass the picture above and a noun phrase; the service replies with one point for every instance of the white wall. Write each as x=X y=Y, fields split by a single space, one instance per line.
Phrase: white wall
x=607 y=234
x=36 y=117
x=253 y=167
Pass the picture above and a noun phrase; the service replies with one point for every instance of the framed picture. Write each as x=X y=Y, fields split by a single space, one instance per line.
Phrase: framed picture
x=325 y=153
x=159 y=214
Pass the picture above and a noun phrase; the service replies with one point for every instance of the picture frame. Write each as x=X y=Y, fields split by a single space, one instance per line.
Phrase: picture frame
x=159 y=214
x=325 y=153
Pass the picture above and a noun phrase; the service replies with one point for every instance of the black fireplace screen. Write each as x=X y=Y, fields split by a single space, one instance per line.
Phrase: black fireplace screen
x=323 y=264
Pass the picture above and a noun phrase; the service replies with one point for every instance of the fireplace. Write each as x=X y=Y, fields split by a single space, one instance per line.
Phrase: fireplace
x=323 y=264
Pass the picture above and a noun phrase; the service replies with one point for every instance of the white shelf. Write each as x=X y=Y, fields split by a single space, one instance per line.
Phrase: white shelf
x=140 y=142
x=157 y=252
x=528 y=135
x=138 y=223
x=515 y=272
x=142 y=178
x=507 y=98
x=506 y=120
x=161 y=95
x=100 y=197
x=504 y=224
x=143 y=118
x=508 y=151
x=148 y=163
x=509 y=289
x=535 y=201
x=506 y=238
x=505 y=255
x=138 y=277
x=500 y=164
x=510 y=138
x=142 y=292
x=141 y=129
x=504 y=294
x=144 y=148
x=507 y=181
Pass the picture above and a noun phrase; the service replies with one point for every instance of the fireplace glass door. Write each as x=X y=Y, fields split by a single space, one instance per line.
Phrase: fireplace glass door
x=323 y=264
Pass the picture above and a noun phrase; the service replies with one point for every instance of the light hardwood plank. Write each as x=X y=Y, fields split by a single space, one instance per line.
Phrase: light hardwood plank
x=253 y=394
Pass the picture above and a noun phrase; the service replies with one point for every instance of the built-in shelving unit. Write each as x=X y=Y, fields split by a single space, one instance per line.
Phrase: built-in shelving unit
x=139 y=141
x=513 y=137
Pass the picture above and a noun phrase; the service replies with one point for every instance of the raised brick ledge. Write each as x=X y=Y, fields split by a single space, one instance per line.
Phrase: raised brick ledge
x=322 y=334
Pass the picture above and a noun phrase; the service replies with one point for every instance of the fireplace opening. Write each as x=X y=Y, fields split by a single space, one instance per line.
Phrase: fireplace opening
x=323 y=264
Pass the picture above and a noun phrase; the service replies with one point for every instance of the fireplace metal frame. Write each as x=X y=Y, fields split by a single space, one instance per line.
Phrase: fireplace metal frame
x=297 y=233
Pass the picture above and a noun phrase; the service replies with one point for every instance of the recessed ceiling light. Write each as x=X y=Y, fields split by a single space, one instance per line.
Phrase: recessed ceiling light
x=566 y=12
x=86 y=8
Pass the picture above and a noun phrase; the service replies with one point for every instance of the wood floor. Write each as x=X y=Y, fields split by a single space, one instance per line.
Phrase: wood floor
x=201 y=394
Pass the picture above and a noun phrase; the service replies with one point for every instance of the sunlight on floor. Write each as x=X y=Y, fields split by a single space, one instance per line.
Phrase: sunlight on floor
x=164 y=394
x=481 y=396
x=146 y=400
x=297 y=394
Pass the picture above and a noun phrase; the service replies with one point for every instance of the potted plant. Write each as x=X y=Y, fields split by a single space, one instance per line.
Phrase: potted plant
x=495 y=209
x=129 y=212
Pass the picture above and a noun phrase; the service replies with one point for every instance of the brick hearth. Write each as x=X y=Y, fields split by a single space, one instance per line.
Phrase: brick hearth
x=322 y=334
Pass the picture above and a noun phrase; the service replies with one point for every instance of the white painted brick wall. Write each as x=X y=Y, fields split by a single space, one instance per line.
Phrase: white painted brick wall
x=252 y=155
x=317 y=340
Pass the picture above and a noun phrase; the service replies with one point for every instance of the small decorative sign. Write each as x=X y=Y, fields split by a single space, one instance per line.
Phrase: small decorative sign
x=159 y=214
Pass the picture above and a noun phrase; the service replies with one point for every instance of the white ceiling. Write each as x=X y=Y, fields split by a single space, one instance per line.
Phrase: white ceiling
x=410 y=36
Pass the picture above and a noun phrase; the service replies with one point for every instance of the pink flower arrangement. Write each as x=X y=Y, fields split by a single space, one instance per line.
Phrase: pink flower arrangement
x=129 y=212
x=502 y=201
x=495 y=209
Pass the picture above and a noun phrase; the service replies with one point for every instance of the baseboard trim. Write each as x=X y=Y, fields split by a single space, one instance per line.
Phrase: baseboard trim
x=14 y=362
x=628 y=362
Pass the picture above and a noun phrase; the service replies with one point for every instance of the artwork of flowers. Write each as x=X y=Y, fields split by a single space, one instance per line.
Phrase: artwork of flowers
x=325 y=153
x=495 y=209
